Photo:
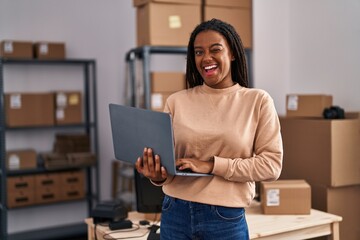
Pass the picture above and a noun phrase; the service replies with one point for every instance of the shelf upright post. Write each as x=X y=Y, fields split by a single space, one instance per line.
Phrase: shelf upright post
x=146 y=76
x=131 y=59
x=3 y=186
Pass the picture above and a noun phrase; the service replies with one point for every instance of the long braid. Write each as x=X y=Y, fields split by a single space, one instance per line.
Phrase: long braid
x=238 y=66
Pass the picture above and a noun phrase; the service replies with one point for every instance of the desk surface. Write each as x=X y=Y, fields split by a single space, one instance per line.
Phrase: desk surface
x=265 y=227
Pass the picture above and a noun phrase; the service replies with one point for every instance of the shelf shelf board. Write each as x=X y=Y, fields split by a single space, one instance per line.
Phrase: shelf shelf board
x=40 y=170
x=64 y=231
x=47 y=62
x=47 y=127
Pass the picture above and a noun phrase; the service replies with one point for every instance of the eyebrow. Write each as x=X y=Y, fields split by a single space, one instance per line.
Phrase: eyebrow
x=212 y=45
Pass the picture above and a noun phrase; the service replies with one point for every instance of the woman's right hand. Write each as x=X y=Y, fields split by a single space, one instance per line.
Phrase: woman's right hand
x=150 y=166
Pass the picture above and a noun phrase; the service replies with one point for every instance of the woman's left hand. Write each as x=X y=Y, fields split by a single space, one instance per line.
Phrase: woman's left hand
x=195 y=165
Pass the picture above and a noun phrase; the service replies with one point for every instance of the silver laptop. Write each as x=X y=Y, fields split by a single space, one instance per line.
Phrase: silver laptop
x=133 y=129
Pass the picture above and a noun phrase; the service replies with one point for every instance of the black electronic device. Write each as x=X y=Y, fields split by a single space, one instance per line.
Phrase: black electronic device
x=334 y=112
x=109 y=211
x=149 y=197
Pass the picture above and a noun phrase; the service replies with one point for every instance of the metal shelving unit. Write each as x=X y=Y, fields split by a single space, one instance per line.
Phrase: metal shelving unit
x=144 y=54
x=89 y=126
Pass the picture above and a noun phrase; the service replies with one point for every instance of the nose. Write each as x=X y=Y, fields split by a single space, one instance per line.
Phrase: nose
x=207 y=56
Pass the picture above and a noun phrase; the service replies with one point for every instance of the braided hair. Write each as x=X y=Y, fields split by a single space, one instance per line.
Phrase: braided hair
x=238 y=67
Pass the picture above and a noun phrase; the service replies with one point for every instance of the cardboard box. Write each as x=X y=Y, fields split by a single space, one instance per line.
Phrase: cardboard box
x=73 y=185
x=21 y=191
x=138 y=3
x=158 y=101
x=49 y=50
x=286 y=197
x=229 y=3
x=72 y=143
x=68 y=108
x=47 y=188
x=16 y=49
x=21 y=198
x=29 y=109
x=166 y=24
x=311 y=105
x=322 y=151
x=239 y=18
x=81 y=159
x=55 y=160
x=167 y=81
x=21 y=159
x=342 y=201
x=20 y=183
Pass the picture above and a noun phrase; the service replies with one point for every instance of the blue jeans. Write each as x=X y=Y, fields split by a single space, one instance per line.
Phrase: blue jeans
x=182 y=220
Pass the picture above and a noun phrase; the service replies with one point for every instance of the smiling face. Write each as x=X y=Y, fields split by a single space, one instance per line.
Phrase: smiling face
x=213 y=59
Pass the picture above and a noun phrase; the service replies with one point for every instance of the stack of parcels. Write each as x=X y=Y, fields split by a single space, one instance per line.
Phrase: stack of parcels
x=326 y=153
x=170 y=22
x=70 y=150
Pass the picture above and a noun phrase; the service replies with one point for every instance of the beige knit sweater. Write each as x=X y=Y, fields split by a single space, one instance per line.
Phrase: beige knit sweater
x=237 y=125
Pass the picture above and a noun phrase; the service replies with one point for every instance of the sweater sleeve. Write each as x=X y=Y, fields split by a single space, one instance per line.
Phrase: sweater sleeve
x=266 y=162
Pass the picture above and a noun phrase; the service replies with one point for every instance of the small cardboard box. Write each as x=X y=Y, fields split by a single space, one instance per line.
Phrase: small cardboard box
x=55 y=160
x=285 y=197
x=47 y=188
x=16 y=49
x=73 y=185
x=49 y=50
x=342 y=201
x=166 y=24
x=310 y=105
x=20 y=183
x=21 y=159
x=81 y=159
x=239 y=18
x=167 y=81
x=322 y=151
x=29 y=109
x=21 y=191
x=68 y=108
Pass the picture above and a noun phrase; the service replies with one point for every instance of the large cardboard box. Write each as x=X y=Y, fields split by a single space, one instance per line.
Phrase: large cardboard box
x=21 y=159
x=342 y=201
x=29 y=109
x=16 y=49
x=68 y=108
x=142 y=2
x=239 y=18
x=311 y=105
x=49 y=50
x=166 y=24
x=322 y=151
x=285 y=197
x=167 y=81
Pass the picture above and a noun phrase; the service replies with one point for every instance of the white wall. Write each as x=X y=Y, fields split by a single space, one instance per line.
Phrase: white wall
x=308 y=46
x=300 y=46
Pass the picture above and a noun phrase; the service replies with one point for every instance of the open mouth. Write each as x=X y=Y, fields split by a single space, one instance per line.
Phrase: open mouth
x=210 y=68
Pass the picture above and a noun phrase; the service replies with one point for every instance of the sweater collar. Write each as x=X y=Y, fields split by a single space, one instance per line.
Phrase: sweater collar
x=205 y=88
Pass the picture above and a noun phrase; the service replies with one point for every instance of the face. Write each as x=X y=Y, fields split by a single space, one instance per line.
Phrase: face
x=213 y=59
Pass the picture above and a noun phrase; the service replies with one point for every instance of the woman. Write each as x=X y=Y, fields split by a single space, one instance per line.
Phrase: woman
x=220 y=127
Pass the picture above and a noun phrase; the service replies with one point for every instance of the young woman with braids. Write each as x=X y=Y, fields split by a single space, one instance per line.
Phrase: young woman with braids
x=221 y=127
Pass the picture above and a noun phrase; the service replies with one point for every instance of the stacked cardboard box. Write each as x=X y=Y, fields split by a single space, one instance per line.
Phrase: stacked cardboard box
x=236 y=12
x=166 y=22
x=163 y=84
x=326 y=154
x=21 y=159
x=45 y=188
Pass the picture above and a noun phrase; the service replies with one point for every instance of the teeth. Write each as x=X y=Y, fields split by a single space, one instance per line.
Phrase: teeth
x=209 y=67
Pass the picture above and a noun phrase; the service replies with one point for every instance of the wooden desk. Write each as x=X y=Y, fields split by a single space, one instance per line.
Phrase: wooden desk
x=264 y=227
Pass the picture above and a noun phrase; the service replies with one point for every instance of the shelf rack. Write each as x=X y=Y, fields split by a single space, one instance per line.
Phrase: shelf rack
x=89 y=126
